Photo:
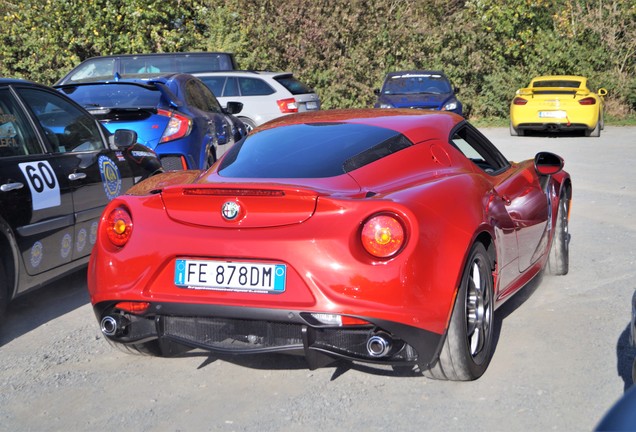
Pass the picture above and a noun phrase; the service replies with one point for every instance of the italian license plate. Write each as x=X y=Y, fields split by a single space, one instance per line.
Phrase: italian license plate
x=230 y=276
x=552 y=114
x=312 y=105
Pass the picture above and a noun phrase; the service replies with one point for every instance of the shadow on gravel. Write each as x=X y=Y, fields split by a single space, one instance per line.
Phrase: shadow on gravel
x=276 y=361
x=44 y=304
x=519 y=298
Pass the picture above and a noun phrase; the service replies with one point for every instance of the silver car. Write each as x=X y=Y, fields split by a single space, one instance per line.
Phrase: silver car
x=264 y=95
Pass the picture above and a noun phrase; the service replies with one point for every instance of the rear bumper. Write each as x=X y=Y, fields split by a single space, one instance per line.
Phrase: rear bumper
x=242 y=330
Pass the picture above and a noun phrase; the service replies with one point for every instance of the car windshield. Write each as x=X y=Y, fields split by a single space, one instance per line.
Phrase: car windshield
x=557 y=83
x=118 y=95
x=310 y=150
x=414 y=83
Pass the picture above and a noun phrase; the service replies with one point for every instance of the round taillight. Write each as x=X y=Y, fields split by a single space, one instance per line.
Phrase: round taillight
x=119 y=226
x=383 y=236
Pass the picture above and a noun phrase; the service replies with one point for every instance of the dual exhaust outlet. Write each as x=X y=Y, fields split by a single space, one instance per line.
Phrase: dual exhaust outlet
x=378 y=345
x=113 y=325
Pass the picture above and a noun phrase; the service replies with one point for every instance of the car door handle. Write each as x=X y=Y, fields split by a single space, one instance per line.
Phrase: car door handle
x=76 y=176
x=11 y=186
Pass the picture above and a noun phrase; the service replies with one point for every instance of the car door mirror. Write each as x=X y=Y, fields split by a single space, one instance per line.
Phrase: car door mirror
x=547 y=163
x=602 y=92
x=123 y=138
x=234 y=107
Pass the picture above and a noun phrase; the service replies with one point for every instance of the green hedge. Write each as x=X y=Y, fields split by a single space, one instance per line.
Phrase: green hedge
x=343 y=48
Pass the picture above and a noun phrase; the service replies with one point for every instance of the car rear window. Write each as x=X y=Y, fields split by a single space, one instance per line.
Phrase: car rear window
x=113 y=95
x=310 y=150
x=294 y=86
x=557 y=83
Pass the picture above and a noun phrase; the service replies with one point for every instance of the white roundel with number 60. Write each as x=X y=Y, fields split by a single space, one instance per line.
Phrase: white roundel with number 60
x=45 y=190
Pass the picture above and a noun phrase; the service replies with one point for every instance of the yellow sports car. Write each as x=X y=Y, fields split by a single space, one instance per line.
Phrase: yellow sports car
x=557 y=103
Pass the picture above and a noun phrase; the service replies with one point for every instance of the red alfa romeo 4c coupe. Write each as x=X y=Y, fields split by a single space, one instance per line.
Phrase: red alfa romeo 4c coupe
x=379 y=236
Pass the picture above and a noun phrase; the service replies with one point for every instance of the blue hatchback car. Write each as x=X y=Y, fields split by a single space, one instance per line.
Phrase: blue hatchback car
x=176 y=115
x=419 y=89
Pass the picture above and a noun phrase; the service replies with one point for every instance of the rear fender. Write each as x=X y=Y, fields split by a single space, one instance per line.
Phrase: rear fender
x=451 y=218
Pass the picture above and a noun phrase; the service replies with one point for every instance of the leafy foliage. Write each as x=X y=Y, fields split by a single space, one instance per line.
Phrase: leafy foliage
x=344 y=48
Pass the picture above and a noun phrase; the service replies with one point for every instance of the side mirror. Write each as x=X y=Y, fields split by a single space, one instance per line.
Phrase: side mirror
x=547 y=163
x=376 y=91
x=123 y=138
x=234 y=107
x=602 y=91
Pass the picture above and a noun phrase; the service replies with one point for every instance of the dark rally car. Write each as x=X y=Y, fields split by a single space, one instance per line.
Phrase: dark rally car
x=58 y=169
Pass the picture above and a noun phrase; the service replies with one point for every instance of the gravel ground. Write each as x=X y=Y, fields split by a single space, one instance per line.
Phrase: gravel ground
x=561 y=360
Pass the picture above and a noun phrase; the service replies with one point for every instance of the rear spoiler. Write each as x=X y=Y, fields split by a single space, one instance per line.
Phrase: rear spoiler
x=552 y=90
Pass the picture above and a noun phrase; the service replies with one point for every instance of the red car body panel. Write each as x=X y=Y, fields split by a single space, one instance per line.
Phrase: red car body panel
x=312 y=225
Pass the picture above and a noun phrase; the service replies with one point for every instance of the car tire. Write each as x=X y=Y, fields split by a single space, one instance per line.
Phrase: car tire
x=596 y=132
x=4 y=292
x=469 y=343
x=559 y=258
x=515 y=132
x=249 y=124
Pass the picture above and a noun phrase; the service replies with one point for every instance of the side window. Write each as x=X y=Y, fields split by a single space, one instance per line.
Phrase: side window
x=199 y=96
x=192 y=96
x=16 y=136
x=211 y=103
x=254 y=87
x=215 y=84
x=66 y=127
x=231 y=87
x=478 y=149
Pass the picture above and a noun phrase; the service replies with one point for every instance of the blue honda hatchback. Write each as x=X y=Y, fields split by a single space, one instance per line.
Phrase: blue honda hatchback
x=419 y=89
x=176 y=115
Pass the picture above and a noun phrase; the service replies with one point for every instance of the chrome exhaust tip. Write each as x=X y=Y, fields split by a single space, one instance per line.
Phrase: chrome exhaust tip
x=379 y=345
x=111 y=325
